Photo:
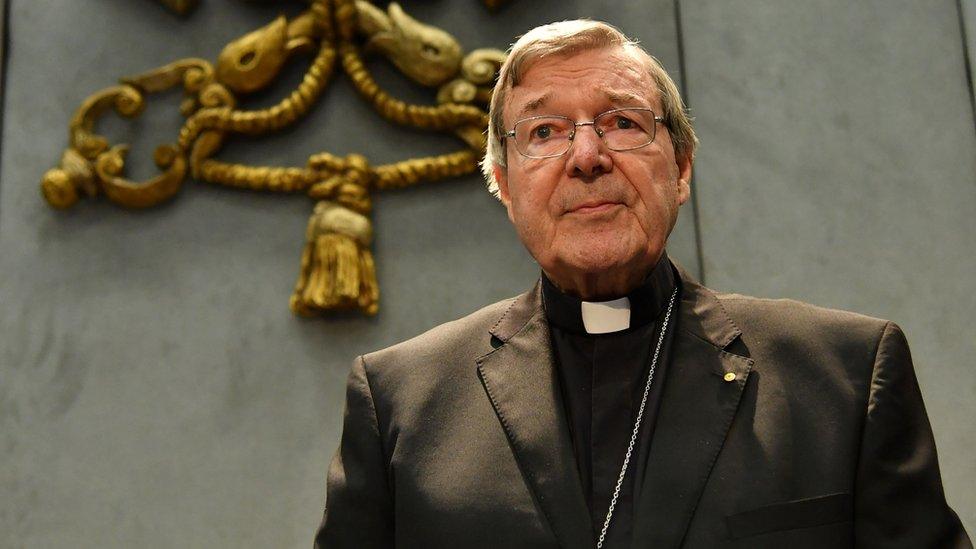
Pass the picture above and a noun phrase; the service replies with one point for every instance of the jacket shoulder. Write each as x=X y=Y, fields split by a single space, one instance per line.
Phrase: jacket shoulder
x=786 y=327
x=790 y=313
x=433 y=370
x=465 y=338
x=797 y=347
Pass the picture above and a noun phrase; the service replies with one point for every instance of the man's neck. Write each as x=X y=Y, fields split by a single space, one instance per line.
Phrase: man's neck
x=605 y=285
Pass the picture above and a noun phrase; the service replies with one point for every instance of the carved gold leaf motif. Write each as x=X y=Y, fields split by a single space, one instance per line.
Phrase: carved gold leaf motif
x=337 y=270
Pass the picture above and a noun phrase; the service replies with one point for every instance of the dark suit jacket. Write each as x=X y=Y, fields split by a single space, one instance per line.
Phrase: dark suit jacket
x=458 y=437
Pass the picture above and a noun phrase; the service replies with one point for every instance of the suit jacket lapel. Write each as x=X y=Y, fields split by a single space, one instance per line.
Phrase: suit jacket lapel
x=520 y=379
x=699 y=401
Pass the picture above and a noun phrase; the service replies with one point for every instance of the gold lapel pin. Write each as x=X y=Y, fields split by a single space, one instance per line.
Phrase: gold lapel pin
x=729 y=376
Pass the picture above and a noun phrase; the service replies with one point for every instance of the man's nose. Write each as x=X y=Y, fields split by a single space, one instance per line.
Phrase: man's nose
x=588 y=154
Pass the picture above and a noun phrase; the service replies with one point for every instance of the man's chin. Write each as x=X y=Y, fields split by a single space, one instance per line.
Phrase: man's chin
x=594 y=253
x=595 y=265
x=600 y=261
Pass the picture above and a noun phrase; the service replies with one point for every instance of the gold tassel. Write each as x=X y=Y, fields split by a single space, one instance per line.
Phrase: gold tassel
x=337 y=272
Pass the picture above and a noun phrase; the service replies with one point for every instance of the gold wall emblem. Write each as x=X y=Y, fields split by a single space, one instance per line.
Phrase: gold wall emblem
x=337 y=270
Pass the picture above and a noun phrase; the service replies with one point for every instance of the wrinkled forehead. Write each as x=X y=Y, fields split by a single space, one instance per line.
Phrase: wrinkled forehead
x=629 y=81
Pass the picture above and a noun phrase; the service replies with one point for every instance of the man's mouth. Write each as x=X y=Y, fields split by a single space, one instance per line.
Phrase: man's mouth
x=593 y=207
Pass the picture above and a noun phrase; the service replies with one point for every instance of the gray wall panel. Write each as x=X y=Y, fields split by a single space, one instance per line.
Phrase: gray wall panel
x=838 y=166
x=156 y=391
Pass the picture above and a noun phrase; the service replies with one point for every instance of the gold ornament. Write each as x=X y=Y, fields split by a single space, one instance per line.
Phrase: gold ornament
x=337 y=268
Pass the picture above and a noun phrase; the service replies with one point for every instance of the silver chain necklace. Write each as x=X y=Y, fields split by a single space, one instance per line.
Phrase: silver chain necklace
x=637 y=423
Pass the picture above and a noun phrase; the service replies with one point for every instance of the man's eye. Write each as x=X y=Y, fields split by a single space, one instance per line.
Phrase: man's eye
x=542 y=132
x=625 y=123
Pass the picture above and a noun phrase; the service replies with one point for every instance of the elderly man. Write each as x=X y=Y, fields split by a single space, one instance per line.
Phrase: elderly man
x=619 y=403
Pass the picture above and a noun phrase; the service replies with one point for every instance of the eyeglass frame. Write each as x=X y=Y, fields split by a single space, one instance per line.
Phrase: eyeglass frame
x=576 y=125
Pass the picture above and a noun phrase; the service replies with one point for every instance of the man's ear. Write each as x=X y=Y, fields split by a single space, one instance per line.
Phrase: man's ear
x=684 y=163
x=501 y=177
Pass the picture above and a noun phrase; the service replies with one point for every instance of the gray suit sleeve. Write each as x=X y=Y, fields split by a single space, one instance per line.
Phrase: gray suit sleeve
x=358 y=507
x=899 y=499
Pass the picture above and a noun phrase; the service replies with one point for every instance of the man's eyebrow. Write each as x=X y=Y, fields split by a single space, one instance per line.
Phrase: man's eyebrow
x=534 y=105
x=625 y=98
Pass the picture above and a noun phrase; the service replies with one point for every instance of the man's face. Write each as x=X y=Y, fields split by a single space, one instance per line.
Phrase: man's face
x=596 y=220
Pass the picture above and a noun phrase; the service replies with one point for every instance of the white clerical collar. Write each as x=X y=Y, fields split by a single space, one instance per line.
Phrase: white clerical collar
x=604 y=317
x=641 y=306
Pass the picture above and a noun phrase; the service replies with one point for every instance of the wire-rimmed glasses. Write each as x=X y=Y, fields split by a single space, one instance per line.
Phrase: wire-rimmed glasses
x=548 y=136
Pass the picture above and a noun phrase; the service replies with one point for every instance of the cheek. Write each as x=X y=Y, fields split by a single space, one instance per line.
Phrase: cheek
x=524 y=210
x=657 y=196
x=533 y=212
x=535 y=194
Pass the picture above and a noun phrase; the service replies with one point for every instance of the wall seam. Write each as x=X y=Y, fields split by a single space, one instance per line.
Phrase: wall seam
x=967 y=60
x=4 y=52
x=683 y=75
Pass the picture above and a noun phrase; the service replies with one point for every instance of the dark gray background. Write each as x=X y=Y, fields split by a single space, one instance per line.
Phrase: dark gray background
x=154 y=388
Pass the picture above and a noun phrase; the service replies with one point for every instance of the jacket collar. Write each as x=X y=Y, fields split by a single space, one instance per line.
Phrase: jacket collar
x=518 y=314
x=702 y=314
x=702 y=390
x=521 y=382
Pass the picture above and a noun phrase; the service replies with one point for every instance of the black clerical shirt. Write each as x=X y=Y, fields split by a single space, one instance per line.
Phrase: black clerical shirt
x=602 y=378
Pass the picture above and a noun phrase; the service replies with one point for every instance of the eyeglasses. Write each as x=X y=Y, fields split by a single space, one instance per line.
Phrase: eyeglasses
x=549 y=136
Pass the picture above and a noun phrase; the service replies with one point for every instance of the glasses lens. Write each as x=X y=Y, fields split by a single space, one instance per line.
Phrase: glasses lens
x=543 y=136
x=625 y=129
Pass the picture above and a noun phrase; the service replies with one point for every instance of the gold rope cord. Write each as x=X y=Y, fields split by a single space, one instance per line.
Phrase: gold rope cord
x=337 y=269
x=286 y=112
x=428 y=118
